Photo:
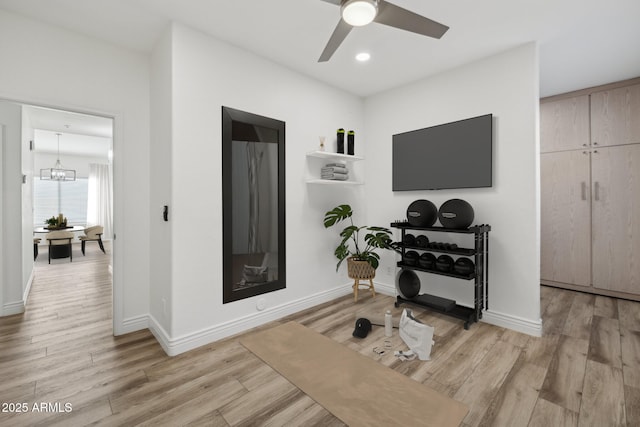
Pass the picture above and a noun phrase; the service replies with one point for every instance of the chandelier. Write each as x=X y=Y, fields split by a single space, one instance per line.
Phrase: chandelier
x=57 y=172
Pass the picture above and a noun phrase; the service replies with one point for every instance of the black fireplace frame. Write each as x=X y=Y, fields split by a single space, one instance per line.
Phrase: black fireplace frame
x=239 y=125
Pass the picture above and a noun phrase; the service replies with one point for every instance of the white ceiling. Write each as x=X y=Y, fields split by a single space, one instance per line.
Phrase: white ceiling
x=80 y=134
x=71 y=144
x=582 y=42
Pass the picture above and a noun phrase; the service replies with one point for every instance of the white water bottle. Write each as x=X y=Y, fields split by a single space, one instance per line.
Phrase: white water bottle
x=388 y=324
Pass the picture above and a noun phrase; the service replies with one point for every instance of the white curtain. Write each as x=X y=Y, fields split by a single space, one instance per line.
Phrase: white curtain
x=100 y=198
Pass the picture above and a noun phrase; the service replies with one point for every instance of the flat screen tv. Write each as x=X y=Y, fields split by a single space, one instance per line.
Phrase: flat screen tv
x=452 y=155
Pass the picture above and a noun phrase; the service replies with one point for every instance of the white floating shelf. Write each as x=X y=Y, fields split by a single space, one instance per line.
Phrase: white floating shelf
x=336 y=156
x=333 y=182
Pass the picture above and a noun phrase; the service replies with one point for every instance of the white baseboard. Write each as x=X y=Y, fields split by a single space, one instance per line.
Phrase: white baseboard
x=385 y=289
x=174 y=346
x=133 y=324
x=18 y=307
x=27 y=290
x=12 y=308
x=161 y=335
x=178 y=345
x=508 y=321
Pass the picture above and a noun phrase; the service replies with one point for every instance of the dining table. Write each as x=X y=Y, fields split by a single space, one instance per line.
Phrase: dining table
x=47 y=230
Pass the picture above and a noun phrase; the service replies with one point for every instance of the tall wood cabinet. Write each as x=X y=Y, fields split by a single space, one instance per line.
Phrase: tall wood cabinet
x=615 y=213
x=565 y=239
x=590 y=190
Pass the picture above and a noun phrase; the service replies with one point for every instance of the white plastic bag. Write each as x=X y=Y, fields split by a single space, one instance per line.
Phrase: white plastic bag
x=416 y=335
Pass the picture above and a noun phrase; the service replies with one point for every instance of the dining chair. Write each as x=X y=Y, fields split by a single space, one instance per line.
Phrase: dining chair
x=92 y=234
x=60 y=244
x=36 y=242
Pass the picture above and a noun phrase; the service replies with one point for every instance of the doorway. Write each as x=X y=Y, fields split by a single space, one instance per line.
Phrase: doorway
x=80 y=144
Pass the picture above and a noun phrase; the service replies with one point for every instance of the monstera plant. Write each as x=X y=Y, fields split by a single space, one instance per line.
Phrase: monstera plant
x=351 y=245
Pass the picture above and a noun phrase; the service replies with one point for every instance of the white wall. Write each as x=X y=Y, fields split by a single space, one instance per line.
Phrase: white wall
x=49 y=66
x=2 y=220
x=27 y=160
x=505 y=85
x=11 y=276
x=161 y=172
x=209 y=74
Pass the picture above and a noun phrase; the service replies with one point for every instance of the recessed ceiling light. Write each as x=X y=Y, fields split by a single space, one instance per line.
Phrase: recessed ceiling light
x=363 y=56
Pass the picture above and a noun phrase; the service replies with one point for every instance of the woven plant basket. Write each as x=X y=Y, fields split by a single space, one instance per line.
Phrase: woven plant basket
x=360 y=269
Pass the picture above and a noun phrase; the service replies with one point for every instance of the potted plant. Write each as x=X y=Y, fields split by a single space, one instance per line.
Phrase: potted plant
x=56 y=222
x=362 y=259
x=52 y=222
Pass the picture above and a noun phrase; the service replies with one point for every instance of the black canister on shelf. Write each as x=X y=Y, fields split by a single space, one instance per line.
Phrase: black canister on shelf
x=341 y=141
x=351 y=136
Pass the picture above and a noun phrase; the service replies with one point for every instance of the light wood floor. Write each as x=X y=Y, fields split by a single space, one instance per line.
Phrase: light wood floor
x=584 y=371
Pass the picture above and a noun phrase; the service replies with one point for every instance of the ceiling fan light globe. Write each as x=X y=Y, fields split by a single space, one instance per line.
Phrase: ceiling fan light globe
x=359 y=12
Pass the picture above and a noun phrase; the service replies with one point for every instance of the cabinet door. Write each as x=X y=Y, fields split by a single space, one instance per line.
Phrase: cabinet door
x=564 y=124
x=616 y=218
x=565 y=250
x=615 y=116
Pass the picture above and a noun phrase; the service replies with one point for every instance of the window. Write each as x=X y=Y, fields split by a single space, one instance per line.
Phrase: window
x=53 y=197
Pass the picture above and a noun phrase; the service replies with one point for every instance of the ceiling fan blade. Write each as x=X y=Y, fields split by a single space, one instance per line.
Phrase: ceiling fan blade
x=397 y=17
x=339 y=34
x=336 y=2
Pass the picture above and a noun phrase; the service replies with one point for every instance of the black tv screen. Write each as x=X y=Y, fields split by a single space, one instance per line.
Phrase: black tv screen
x=452 y=155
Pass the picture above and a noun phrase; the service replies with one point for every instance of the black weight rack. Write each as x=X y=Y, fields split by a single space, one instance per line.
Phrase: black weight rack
x=480 y=252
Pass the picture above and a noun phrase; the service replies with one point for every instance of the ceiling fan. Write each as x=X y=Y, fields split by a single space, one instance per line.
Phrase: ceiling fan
x=357 y=13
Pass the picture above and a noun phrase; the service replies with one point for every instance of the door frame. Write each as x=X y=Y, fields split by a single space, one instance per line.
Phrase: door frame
x=117 y=182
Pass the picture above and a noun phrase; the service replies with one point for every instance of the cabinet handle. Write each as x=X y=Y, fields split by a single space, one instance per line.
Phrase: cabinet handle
x=597 y=190
x=595 y=143
x=584 y=190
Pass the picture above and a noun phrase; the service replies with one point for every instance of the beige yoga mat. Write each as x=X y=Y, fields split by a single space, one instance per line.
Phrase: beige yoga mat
x=356 y=389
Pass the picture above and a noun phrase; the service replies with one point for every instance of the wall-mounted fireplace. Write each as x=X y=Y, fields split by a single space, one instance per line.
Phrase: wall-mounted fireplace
x=253 y=196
